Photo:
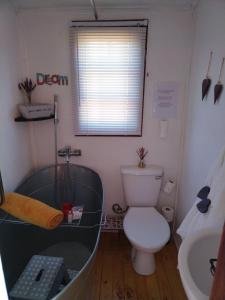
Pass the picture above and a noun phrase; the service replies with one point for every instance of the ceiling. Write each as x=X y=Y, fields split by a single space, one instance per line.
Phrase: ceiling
x=25 y=4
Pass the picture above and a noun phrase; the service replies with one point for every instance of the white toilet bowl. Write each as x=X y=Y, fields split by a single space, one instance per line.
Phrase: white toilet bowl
x=148 y=231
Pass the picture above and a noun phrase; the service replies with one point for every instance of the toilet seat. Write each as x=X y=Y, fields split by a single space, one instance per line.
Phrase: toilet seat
x=146 y=228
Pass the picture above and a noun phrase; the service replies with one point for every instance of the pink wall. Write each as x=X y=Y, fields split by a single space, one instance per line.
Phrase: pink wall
x=45 y=48
x=15 y=156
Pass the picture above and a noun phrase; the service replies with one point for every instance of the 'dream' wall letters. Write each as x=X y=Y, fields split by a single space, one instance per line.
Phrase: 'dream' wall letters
x=51 y=79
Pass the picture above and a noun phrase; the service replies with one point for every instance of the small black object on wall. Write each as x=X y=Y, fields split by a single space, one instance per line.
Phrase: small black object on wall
x=203 y=193
x=219 y=87
x=206 y=83
x=204 y=204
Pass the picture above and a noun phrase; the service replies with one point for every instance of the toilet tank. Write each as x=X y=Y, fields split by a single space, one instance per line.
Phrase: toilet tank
x=141 y=185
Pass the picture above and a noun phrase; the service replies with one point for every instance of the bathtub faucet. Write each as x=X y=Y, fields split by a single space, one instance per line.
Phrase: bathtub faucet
x=67 y=152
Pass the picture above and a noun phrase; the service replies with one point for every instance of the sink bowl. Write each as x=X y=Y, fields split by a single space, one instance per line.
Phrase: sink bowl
x=193 y=262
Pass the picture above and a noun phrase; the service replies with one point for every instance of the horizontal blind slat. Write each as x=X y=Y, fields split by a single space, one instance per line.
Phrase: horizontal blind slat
x=109 y=70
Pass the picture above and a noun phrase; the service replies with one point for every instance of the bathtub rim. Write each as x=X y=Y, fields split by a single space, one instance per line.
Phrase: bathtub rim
x=34 y=172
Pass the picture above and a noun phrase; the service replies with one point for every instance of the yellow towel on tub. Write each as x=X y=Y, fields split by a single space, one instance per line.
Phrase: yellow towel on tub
x=32 y=211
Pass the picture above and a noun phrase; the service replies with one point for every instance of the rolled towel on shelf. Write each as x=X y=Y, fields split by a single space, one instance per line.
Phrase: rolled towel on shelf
x=32 y=211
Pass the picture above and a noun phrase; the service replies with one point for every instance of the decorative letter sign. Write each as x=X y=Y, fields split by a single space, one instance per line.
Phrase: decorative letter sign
x=51 y=79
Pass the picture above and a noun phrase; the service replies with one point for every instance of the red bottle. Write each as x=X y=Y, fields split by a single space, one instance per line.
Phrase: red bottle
x=66 y=208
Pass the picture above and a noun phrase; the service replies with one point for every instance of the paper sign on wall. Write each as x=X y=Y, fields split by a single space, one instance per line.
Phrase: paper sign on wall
x=165 y=100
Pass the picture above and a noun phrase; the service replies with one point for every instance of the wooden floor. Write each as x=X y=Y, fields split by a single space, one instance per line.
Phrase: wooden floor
x=115 y=278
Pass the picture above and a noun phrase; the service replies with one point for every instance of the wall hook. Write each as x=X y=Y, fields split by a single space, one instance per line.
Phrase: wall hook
x=206 y=83
x=94 y=9
x=219 y=86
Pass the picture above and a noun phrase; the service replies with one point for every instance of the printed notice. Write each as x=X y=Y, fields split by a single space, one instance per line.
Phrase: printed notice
x=165 y=100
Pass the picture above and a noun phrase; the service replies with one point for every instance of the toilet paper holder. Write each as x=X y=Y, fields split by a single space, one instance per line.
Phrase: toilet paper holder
x=168 y=213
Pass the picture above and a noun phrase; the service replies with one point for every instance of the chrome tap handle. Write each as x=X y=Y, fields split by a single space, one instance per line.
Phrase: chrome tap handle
x=67 y=149
x=76 y=152
x=67 y=152
x=64 y=151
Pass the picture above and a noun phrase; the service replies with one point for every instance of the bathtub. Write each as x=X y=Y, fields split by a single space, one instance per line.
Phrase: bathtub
x=77 y=243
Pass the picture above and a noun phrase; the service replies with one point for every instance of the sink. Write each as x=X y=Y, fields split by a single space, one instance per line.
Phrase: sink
x=193 y=262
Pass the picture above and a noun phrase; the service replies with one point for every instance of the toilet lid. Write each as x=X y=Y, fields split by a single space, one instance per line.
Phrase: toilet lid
x=146 y=228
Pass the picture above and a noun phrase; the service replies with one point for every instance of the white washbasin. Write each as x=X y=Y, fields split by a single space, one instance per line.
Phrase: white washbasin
x=193 y=262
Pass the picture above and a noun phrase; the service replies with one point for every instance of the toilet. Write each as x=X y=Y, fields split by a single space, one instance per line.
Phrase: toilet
x=146 y=229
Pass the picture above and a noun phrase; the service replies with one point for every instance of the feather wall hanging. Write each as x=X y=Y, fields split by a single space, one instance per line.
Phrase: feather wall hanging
x=206 y=83
x=219 y=86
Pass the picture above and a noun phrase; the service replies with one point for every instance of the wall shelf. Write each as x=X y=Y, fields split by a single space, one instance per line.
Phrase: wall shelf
x=22 y=119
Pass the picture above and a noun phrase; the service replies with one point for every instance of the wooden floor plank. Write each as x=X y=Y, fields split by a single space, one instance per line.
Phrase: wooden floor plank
x=118 y=276
x=141 y=288
x=153 y=288
x=169 y=257
x=95 y=288
x=115 y=278
x=106 y=292
x=162 y=279
x=129 y=276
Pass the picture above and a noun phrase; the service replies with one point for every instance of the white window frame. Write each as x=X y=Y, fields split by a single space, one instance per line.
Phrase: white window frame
x=75 y=76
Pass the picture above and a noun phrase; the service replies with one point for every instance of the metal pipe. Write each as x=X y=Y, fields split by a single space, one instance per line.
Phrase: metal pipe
x=56 y=120
x=94 y=9
x=2 y=194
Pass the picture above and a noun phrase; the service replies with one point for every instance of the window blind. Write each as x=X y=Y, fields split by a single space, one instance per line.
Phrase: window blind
x=108 y=67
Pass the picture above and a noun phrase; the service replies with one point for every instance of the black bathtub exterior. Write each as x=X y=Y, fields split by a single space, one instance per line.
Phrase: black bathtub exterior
x=55 y=185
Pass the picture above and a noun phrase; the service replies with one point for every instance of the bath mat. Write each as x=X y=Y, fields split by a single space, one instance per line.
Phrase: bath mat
x=40 y=279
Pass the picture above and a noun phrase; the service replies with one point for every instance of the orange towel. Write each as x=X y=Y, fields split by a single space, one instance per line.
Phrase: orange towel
x=32 y=211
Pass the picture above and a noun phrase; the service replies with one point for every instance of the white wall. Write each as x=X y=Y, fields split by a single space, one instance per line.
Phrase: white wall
x=15 y=158
x=46 y=49
x=205 y=126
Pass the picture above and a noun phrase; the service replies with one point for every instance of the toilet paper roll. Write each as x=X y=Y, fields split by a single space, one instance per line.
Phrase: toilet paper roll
x=169 y=186
x=168 y=213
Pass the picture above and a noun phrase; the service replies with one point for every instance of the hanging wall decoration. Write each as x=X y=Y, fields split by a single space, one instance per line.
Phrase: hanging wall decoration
x=206 y=83
x=27 y=87
x=141 y=152
x=219 y=87
x=51 y=79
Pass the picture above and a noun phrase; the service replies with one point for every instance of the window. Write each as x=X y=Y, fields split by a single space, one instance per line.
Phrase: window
x=108 y=67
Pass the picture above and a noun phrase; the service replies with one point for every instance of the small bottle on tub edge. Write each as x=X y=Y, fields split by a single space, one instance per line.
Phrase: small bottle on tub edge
x=70 y=217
